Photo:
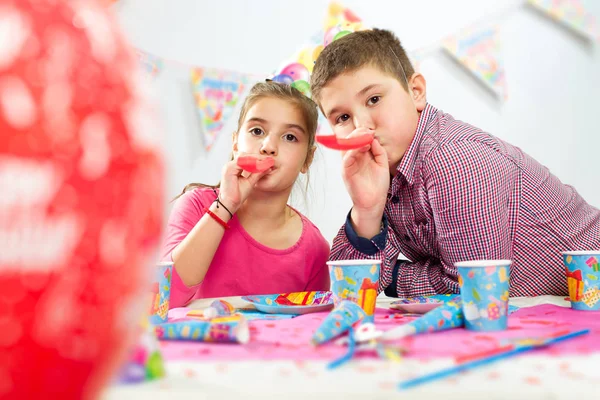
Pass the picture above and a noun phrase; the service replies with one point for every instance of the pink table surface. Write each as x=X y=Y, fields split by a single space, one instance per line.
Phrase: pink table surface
x=289 y=339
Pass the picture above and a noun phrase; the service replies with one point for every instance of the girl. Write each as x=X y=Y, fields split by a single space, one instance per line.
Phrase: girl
x=241 y=237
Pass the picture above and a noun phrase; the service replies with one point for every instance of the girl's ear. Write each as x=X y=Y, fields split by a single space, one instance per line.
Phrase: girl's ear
x=310 y=156
x=234 y=139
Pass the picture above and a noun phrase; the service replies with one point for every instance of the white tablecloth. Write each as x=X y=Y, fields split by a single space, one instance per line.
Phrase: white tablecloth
x=522 y=377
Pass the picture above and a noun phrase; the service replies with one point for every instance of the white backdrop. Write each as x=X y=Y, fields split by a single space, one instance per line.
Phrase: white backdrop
x=553 y=79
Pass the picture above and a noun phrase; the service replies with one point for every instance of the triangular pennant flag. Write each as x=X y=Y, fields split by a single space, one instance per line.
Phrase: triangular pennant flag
x=216 y=93
x=570 y=13
x=479 y=51
x=296 y=71
x=150 y=64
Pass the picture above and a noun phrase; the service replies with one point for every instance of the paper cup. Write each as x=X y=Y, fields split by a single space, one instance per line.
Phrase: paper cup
x=484 y=289
x=583 y=278
x=357 y=281
x=161 y=292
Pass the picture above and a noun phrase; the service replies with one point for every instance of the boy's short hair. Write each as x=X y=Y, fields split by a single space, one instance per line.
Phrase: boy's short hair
x=377 y=47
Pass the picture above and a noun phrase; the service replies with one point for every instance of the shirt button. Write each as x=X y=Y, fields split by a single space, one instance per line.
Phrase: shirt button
x=406 y=238
x=395 y=200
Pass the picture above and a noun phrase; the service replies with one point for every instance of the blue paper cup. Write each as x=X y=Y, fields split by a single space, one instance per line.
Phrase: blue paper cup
x=583 y=279
x=161 y=292
x=357 y=281
x=484 y=289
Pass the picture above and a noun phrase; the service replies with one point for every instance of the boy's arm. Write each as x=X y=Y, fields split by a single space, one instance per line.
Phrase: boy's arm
x=470 y=188
x=348 y=245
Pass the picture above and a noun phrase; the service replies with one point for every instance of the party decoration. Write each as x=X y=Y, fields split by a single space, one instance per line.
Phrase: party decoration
x=228 y=329
x=161 y=292
x=145 y=361
x=254 y=164
x=296 y=70
x=484 y=289
x=357 y=281
x=335 y=143
x=583 y=279
x=342 y=318
x=446 y=316
x=216 y=93
x=79 y=222
x=480 y=52
x=296 y=303
x=571 y=14
x=150 y=64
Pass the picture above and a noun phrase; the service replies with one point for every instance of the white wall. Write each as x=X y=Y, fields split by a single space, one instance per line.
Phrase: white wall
x=553 y=79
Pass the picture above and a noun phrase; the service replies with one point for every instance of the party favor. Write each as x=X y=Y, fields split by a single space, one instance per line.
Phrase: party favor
x=343 y=317
x=484 y=289
x=447 y=316
x=145 y=361
x=583 y=278
x=229 y=329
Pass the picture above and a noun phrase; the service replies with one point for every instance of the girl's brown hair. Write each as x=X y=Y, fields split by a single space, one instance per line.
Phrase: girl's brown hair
x=281 y=91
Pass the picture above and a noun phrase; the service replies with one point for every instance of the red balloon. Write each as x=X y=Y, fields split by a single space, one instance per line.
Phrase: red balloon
x=81 y=203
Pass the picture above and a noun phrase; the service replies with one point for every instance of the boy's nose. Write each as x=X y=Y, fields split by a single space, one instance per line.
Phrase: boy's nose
x=363 y=121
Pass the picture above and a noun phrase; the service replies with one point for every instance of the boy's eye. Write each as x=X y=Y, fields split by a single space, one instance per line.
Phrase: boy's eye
x=374 y=100
x=256 y=131
x=342 y=118
x=290 y=138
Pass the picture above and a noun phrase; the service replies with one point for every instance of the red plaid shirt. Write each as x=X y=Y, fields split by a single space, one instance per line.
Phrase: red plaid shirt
x=462 y=194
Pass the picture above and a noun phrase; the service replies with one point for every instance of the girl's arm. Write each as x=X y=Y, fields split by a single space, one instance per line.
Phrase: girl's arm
x=194 y=254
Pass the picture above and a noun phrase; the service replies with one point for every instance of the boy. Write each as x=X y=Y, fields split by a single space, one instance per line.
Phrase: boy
x=436 y=189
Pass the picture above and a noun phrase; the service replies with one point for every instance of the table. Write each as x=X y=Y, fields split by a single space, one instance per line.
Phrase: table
x=524 y=377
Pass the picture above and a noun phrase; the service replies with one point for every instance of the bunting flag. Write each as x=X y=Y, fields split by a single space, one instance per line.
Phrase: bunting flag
x=479 y=51
x=216 y=93
x=571 y=14
x=150 y=64
x=296 y=71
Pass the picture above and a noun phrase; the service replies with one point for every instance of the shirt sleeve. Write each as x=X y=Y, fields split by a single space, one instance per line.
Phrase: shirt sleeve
x=186 y=212
x=347 y=245
x=470 y=185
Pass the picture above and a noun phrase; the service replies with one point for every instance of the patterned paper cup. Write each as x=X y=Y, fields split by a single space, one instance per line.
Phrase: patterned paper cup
x=357 y=281
x=161 y=292
x=583 y=278
x=484 y=289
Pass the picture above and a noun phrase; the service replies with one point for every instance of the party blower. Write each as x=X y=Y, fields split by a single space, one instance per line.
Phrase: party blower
x=254 y=164
x=335 y=143
x=447 y=316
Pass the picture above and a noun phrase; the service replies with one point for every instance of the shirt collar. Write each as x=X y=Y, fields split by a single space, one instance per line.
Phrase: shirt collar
x=406 y=167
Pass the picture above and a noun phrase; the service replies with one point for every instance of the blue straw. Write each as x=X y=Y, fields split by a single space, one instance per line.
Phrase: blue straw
x=484 y=361
x=348 y=356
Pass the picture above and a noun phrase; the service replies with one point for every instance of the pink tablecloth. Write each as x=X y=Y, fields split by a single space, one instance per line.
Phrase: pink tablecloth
x=289 y=339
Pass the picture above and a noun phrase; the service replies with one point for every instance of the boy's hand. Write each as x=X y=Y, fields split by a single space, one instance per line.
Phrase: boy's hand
x=366 y=174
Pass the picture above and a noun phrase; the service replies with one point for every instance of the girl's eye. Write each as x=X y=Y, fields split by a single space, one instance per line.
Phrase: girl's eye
x=374 y=100
x=256 y=131
x=342 y=118
x=290 y=138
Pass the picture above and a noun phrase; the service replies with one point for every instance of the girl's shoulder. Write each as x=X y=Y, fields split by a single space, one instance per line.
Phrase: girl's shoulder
x=198 y=197
x=311 y=231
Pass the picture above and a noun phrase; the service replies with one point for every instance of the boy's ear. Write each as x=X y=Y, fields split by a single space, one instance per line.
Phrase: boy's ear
x=418 y=89
x=310 y=156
